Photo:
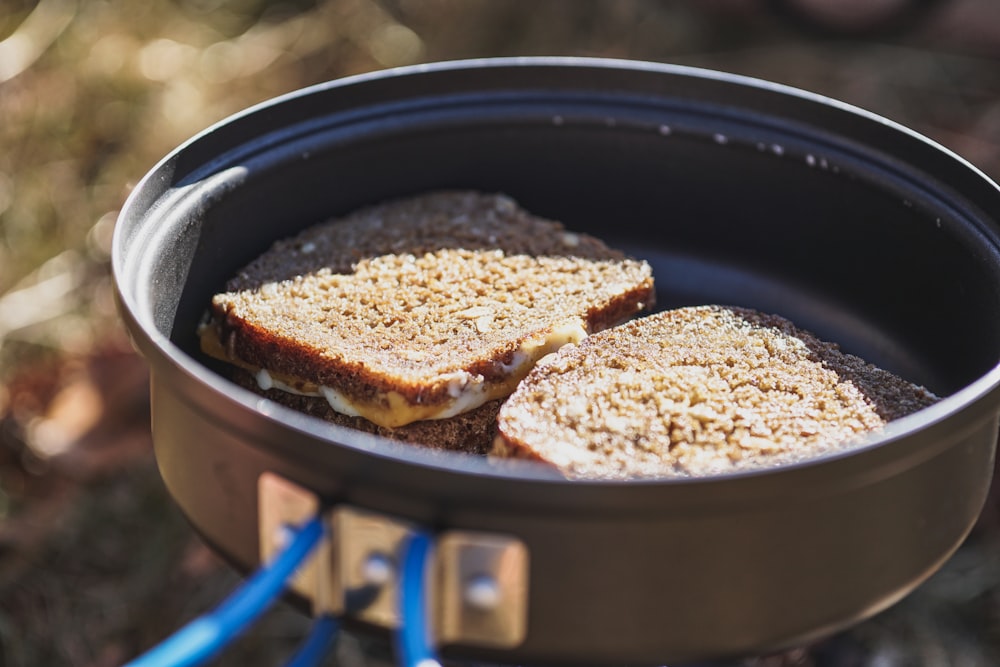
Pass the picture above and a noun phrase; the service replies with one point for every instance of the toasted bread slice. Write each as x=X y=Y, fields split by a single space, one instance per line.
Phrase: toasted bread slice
x=422 y=308
x=697 y=391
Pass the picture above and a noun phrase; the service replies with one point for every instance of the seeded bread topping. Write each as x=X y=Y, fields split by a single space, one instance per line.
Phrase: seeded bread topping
x=420 y=308
x=697 y=391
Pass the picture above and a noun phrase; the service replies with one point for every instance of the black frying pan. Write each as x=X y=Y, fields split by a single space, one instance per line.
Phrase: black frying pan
x=738 y=192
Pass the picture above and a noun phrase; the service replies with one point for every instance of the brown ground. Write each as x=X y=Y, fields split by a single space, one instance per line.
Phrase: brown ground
x=95 y=560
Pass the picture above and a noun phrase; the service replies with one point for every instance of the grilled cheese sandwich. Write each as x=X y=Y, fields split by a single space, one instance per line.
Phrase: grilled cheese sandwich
x=418 y=311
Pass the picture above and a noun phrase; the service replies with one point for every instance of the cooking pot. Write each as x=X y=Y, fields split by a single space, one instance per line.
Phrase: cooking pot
x=738 y=192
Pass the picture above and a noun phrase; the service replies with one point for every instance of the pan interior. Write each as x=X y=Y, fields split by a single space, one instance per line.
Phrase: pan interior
x=859 y=246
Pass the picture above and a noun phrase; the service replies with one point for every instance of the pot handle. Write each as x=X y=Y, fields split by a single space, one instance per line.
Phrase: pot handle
x=378 y=568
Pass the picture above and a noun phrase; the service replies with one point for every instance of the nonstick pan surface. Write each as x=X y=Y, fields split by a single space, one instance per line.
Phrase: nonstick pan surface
x=738 y=192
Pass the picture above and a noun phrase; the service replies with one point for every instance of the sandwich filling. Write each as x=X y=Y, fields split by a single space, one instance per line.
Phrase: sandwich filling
x=465 y=391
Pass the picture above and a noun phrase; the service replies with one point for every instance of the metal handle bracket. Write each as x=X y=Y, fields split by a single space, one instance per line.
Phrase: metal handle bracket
x=478 y=582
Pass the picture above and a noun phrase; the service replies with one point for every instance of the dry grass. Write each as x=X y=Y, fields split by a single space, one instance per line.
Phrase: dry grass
x=95 y=561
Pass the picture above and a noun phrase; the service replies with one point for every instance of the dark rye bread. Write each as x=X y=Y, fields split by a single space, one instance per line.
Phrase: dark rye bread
x=697 y=391
x=416 y=299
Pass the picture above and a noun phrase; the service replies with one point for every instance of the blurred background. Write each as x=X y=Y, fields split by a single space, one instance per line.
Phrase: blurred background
x=96 y=564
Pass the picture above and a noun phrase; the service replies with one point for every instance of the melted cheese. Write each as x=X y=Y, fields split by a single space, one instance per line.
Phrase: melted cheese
x=391 y=409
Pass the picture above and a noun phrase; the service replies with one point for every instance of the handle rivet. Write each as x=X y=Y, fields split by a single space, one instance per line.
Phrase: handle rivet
x=378 y=569
x=482 y=592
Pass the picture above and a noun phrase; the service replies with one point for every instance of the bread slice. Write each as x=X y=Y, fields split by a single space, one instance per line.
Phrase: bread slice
x=417 y=309
x=697 y=391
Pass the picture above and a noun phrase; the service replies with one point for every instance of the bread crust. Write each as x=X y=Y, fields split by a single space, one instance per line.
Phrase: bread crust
x=698 y=391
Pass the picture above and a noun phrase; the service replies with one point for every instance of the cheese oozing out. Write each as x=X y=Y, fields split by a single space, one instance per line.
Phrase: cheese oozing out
x=466 y=391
